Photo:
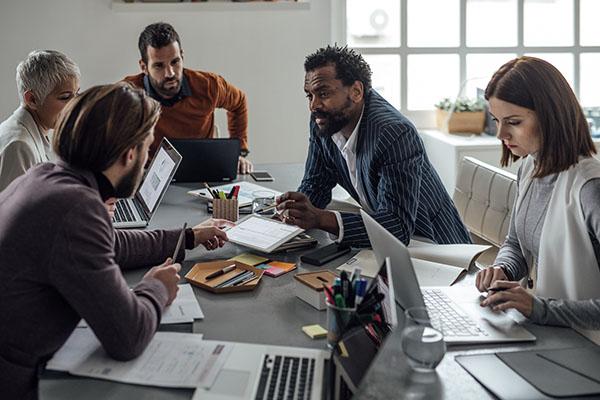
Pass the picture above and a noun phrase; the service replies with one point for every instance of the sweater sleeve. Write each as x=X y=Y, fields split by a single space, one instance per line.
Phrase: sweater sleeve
x=510 y=256
x=83 y=270
x=136 y=248
x=233 y=100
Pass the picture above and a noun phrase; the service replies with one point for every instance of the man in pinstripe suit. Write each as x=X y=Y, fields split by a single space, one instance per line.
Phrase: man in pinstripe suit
x=360 y=141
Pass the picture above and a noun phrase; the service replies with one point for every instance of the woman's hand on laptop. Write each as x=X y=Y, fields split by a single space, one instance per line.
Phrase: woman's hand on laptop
x=210 y=234
x=487 y=276
x=509 y=294
x=244 y=165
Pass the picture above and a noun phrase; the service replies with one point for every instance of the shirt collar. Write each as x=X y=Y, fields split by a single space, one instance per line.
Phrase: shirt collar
x=105 y=188
x=184 y=91
x=348 y=145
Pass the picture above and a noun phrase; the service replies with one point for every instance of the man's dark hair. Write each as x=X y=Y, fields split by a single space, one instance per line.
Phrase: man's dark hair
x=350 y=66
x=157 y=35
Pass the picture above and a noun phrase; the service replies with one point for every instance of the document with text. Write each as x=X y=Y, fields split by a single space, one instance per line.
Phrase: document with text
x=262 y=234
x=172 y=359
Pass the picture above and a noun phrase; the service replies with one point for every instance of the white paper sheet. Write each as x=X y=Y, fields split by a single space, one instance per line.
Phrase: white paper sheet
x=184 y=309
x=459 y=255
x=248 y=191
x=262 y=234
x=172 y=359
x=435 y=274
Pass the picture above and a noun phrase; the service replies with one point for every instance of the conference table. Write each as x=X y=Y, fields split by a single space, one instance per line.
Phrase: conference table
x=272 y=314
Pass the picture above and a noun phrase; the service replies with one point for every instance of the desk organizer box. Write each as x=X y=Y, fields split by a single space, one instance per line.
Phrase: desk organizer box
x=226 y=209
x=309 y=287
x=197 y=276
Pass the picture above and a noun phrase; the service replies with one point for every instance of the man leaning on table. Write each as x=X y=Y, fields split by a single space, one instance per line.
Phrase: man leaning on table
x=360 y=141
x=188 y=98
x=61 y=257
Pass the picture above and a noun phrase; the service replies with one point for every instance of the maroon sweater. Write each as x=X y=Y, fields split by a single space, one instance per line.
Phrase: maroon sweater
x=61 y=260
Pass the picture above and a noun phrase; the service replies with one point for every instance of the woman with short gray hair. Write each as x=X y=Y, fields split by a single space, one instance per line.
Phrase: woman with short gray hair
x=46 y=81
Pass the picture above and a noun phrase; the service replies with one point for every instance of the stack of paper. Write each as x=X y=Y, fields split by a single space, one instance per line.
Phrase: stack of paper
x=176 y=360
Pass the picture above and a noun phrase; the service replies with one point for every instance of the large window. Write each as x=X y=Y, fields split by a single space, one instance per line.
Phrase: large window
x=421 y=51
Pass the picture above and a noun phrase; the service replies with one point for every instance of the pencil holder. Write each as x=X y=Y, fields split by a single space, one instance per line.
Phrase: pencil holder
x=226 y=209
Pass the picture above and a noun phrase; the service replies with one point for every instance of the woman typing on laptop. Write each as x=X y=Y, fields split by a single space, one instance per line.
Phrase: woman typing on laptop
x=553 y=239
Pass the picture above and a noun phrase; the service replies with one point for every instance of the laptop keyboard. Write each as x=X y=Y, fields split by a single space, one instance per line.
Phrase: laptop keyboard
x=123 y=212
x=454 y=321
x=285 y=378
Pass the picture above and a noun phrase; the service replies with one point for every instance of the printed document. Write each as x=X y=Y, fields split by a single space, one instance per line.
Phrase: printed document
x=262 y=234
x=172 y=359
x=184 y=309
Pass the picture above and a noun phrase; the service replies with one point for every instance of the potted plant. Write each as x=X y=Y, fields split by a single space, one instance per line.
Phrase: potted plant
x=461 y=116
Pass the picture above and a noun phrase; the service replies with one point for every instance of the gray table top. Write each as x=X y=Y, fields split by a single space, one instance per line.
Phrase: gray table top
x=271 y=314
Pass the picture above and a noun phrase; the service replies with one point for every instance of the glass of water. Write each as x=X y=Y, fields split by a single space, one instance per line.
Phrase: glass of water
x=423 y=339
x=262 y=200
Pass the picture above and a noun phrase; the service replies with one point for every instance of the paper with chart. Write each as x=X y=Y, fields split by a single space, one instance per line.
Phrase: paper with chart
x=262 y=234
x=184 y=309
x=248 y=191
x=172 y=359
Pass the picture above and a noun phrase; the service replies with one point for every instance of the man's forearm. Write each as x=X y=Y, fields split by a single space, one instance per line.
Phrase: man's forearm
x=328 y=222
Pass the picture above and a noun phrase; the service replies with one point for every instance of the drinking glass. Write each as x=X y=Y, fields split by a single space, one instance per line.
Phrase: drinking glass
x=262 y=199
x=423 y=339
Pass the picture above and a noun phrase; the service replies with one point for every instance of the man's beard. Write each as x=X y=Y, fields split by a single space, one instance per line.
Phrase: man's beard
x=162 y=90
x=336 y=120
x=129 y=183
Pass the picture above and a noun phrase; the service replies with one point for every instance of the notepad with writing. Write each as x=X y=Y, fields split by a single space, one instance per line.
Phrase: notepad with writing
x=262 y=234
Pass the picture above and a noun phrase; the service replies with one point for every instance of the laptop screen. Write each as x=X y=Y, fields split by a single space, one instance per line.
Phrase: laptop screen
x=158 y=176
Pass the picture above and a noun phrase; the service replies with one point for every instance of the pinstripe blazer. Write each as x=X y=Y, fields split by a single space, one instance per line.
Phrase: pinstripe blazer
x=400 y=184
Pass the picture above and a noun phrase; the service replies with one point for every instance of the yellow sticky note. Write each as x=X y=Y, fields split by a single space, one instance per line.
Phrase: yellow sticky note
x=314 y=331
x=250 y=259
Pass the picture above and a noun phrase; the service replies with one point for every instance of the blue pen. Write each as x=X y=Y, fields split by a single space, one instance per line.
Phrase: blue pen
x=361 y=287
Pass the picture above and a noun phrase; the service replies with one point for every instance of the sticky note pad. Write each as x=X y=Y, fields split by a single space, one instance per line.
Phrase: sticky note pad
x=314 y=331
x=250 y=259
x=277 y=268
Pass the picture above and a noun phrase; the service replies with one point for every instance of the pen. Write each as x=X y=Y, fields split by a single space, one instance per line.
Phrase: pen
x=221 y=195
x=245 y=280
x=265 y=208
x=210 y=190
x=179 y=241
x=236 y=191
x=232 y=279
x=238 y=279
x=220 y=272
x=496 y=289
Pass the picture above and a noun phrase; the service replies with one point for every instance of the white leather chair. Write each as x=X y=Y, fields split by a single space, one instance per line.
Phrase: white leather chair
x=484 y=197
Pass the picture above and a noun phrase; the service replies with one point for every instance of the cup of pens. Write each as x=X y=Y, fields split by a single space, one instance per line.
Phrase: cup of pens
x=341 y=300
x=225 y=205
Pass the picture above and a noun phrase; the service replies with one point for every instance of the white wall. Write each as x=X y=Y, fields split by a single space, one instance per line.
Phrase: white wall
x=261 y=52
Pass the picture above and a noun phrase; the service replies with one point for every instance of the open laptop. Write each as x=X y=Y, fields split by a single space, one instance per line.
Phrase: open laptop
x=207 y=160
x=464 y=320
x=137 y=211
x=263 y=372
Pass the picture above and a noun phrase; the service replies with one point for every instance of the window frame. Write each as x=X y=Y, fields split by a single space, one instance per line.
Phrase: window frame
x=426 y=118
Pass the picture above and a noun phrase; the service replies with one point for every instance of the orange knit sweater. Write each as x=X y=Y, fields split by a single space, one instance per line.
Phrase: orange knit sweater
x=193 y=116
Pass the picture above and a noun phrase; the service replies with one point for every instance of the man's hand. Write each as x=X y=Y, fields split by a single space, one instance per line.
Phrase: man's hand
x=509 y=295
x=209 y=233
x=487 y=276
x=167 y=273
x=111 y=206
x=298 y=210
x=244 y=165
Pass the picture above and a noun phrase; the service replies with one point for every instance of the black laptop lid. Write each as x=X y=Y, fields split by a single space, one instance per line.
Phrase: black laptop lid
x=207 y=160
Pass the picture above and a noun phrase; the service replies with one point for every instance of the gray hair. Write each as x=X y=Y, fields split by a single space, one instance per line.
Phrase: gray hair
x=42 y=71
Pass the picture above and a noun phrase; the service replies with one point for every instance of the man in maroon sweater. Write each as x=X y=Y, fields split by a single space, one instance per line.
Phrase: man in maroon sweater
x=61 y=259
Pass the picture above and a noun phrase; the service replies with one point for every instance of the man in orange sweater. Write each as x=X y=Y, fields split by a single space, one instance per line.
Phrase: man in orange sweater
x=188 y=98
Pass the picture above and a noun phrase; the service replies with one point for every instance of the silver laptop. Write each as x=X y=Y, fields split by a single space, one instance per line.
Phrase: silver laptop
x=264 y=372
x=463 y=319
x=137 y=211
